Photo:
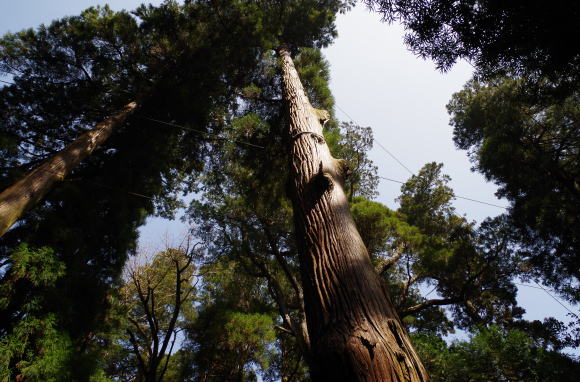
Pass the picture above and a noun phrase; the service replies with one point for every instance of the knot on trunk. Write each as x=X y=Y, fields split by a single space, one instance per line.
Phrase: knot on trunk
x=343 y=169
x=370 y=346
x=322 y=116
x=323 y=182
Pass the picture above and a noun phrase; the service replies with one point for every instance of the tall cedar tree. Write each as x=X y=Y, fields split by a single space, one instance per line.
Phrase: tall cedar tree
x=33 y=186
x=354 y=331
x=70 y=75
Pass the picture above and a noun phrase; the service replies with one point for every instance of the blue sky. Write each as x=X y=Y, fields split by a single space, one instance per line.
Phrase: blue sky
x=377 y=83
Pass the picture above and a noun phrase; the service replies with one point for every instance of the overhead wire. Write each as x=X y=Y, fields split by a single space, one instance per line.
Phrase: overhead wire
x=121 y=189
x=459 y=197
x=215 y=136
x=407 y=168
x=554 y=298
x=102 y=185
x=378 y=143
x=455 y=196
x=212 y=135
x=548 y=293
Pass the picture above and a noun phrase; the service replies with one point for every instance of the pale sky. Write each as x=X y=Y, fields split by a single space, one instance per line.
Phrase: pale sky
x=378 y=83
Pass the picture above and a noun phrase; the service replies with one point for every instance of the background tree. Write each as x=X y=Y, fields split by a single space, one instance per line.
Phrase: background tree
x=472 y=269
x=519 y=106
x=233 y=338
x=157 y=302
x=34 y=347
x=526 y=140
x=515 y=38
x=91 y=221
x=494 y=354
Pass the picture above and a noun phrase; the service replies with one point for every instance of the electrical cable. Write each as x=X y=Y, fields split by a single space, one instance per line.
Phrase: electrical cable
x=455 y=196
x=215 y=136
x=411 y=172
x=378 y=143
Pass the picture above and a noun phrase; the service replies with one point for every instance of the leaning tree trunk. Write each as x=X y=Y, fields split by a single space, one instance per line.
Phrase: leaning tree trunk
x=354 y=330
x=33 y=186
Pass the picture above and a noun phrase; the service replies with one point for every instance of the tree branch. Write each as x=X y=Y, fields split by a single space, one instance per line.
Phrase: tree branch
x=135 y=344
x=427 y=304
x=387 y=263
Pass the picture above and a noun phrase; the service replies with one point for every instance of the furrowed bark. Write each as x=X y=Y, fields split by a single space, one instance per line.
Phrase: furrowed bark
x=33 y=186
x=354 y=330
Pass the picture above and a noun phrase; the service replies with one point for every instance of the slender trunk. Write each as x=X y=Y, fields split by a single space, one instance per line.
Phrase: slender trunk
x=32 y=187
x=354 y=330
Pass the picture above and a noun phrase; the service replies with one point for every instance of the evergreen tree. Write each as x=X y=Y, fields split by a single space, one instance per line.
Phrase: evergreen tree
x=526 y=140
x=517 y=38
x=354 y=331
x=69 y=76
x=494 y=354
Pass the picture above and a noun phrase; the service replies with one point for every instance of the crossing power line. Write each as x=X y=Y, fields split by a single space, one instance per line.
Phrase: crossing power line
x=411 y=172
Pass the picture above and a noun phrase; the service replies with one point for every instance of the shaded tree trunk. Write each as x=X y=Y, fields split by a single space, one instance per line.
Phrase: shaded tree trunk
x=354 y=330
x=34 y=185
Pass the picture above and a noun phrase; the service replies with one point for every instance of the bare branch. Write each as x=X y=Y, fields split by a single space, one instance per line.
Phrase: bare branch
x=284 y=330
x=385 y=264
x=427 y=304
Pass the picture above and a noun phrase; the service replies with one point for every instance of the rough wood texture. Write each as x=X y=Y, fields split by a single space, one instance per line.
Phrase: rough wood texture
x=33 y=186
x=354 y=330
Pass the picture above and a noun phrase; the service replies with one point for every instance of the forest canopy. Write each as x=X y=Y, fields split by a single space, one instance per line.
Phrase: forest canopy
x=292 y=269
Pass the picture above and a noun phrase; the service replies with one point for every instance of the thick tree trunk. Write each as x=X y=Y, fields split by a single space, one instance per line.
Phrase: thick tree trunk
x=354 y=330
x=33 y=186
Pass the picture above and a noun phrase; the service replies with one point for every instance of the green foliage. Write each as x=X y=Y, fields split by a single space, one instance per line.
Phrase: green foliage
x=233 y=337
x=494 y=354
x=34 y=346
x=383 y=229
x=37 y=350
x=426 y=200
x=155 y=302
x=250 y=334
x=314 y=73
x=525 y=139
x=39 y=266
x=513 y=37
x=426 y=243
x=352 y=145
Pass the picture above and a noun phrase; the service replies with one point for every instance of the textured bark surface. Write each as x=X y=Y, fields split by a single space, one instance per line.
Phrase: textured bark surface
x=33 y=186
x=354 y=330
